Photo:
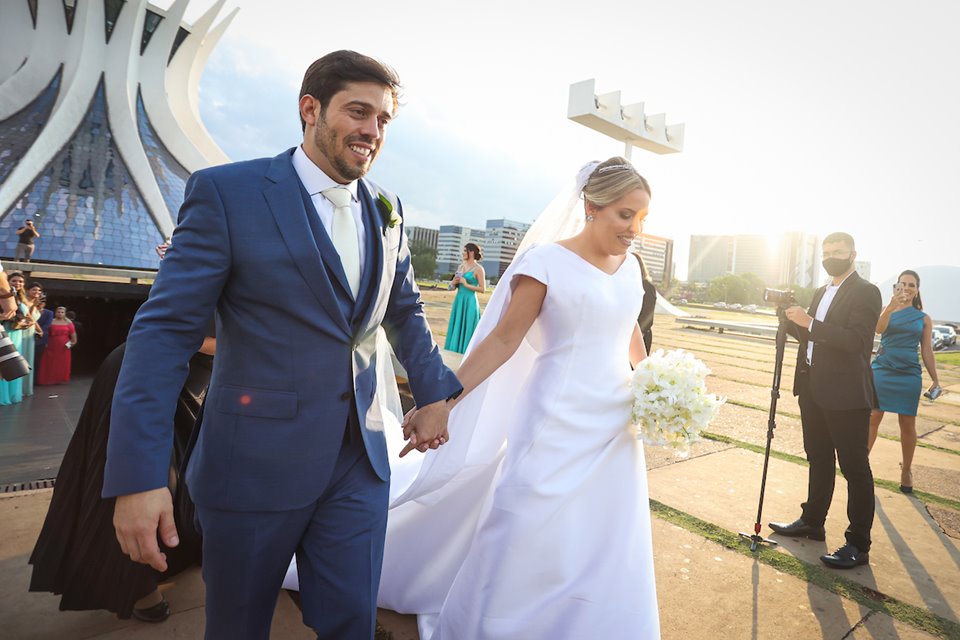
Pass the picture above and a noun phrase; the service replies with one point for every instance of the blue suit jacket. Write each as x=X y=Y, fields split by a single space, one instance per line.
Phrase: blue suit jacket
x=289 y=362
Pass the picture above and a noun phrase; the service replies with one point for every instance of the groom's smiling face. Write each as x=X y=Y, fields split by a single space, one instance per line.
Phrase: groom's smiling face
x=344 y=138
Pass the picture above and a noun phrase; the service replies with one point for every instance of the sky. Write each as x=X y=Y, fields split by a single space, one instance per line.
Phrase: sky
x=816 y=116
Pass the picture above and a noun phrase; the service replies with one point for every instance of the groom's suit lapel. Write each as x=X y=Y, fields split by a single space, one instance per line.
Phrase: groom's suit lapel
x=286 y=203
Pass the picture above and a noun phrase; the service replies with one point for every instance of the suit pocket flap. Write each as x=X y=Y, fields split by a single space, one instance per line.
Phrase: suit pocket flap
x=259 y=403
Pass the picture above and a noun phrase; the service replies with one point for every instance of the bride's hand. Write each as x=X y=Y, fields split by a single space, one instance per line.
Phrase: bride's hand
x=422 y=448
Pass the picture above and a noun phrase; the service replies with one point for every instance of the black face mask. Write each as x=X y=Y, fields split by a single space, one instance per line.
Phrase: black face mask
x=837 y=266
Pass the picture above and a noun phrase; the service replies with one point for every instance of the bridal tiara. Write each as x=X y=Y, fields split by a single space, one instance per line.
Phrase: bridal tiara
x=615 y=166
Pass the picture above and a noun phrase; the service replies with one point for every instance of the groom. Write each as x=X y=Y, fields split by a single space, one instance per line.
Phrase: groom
x=303 y=260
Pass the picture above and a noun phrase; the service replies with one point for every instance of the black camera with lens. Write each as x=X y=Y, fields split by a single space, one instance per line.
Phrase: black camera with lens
x=12 y=364
x=780 y=297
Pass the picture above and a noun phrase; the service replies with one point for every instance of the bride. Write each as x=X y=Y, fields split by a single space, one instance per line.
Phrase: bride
x=533 y=520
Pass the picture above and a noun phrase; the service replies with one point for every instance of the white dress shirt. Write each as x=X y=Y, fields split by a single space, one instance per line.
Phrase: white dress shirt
x=314 y=181
x=822 y=308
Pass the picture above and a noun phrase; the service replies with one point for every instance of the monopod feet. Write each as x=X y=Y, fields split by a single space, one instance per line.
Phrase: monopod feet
x=756 y=540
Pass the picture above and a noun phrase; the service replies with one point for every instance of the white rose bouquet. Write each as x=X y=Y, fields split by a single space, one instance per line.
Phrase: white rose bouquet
x=671 y=405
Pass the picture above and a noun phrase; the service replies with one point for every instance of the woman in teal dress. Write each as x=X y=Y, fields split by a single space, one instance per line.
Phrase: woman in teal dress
x=465 y=315
x=31 y=310
x=896 y=370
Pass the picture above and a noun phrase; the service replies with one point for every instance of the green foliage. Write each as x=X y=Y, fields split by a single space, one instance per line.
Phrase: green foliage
x=741 y=289
x=748 y=288
x=424 y=260
x=951 y=358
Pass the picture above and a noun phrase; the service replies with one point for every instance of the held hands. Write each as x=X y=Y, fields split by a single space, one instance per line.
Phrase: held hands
x=426 y=427
x=138 y=518
x=798 y=316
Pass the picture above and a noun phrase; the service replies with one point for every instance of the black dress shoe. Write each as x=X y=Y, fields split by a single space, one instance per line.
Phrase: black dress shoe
x=157 y=613
x=846 y=557
x=799 y=529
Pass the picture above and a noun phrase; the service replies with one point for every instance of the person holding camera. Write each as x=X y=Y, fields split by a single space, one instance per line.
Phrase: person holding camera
x=835 y=387
x=896 y=370
x=11 y=392
x=27 y=233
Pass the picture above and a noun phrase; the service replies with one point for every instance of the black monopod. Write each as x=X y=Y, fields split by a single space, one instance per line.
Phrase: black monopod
x=782 y=299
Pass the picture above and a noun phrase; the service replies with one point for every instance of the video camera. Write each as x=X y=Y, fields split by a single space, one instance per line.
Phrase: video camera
x=781 y=298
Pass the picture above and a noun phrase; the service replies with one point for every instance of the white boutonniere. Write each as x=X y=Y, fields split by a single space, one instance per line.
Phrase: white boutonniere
x=390 y=217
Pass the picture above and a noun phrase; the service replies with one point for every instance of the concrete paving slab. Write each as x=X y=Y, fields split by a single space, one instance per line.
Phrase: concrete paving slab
x=934 y=471
x=706 y=591
x=947 y=436
x=912 y=559
x=36 y=616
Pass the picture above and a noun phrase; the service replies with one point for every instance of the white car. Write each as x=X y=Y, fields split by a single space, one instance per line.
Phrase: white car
x=949 y=335
x=937 y=339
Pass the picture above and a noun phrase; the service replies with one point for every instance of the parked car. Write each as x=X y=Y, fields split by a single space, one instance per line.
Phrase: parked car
x=937 y=339
x=736 y=306
x=950 y=336
x=719 y=305
x=752 y=308
x=682 y=301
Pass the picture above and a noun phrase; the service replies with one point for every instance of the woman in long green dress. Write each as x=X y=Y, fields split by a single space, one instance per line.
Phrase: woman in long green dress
x=903 y=326
x=465 y=315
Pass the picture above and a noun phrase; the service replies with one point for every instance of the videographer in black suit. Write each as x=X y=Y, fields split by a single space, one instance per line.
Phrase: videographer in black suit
x=834 y=383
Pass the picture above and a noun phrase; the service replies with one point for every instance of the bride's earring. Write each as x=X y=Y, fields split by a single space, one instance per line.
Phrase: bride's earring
x=590 y=218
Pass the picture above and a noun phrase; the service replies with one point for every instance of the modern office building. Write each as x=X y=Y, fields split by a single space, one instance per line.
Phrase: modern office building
x=657 y=254
x=791 y=259
x=450 y=241
x=99 y=124
x=799 y=260
x=422 y=236
x=710 y=256
x=501 y=240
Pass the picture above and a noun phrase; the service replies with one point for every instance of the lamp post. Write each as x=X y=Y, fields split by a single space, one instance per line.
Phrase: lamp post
x=626 y=123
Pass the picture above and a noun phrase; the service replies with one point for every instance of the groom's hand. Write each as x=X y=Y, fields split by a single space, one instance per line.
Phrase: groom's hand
x=426 y=427
x=137 y=518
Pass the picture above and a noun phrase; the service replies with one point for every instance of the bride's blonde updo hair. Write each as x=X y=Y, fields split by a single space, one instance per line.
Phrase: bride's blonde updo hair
x=611 y=180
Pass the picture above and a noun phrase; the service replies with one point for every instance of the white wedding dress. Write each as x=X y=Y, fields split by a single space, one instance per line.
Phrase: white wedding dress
x=533 y=522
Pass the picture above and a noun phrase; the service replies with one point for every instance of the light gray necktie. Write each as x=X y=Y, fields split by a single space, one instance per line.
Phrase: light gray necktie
x=343 y=233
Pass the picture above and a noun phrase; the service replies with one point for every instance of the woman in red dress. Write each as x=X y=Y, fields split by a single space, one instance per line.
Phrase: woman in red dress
x=55 y=368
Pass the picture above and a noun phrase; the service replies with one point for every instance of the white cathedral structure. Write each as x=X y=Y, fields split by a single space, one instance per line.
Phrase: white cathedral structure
x=100 y=125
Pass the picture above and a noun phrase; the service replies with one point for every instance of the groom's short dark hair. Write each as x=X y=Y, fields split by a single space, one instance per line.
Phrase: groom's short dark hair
x=330 y=74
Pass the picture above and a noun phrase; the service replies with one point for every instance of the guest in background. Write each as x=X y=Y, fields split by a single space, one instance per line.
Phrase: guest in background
x=645 y=320
x=896 y=370
x=77 y=555
x=12 y=392
x=25 y=246
x=30 y=308
x=161 y=249
x=465 y=314
x=55 y=368
x=77 y=325
x=46 y=317
x=8 y=304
